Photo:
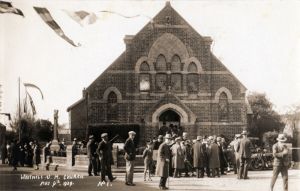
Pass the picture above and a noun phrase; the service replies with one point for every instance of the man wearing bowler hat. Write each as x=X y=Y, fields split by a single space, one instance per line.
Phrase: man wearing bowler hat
x=281 y=162
x=104 y=152
x=129 y=148
x=163 y=160
x=91 y=153
x=244 y=150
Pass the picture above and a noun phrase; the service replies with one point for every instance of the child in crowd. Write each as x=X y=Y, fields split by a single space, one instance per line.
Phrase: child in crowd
x=148 y=159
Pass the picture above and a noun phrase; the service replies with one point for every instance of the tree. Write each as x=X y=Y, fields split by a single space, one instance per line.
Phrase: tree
x=264 y=117
x=31 y=129
x=43 y=130
x=25 y=124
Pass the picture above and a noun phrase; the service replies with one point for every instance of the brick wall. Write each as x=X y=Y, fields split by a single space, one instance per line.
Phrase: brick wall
x=135 y=107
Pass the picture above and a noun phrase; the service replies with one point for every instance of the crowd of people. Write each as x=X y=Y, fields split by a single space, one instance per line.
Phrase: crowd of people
x=21 y=154
x=176 y=156
x=210 y=155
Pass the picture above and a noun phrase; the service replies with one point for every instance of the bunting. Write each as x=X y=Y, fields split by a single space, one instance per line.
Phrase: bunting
x=29 y=85
x=82 y=17
x=48 y=19
x=31 y=103
x=6 y=7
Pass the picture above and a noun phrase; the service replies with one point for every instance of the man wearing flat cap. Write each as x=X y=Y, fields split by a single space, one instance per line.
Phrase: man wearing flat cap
x=129 y=148
x=104 y=152
x=244 y=150
x=281 y=162
x=91 y=153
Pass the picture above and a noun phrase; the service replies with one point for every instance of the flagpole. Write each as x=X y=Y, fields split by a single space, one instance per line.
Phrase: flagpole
x=19 y=110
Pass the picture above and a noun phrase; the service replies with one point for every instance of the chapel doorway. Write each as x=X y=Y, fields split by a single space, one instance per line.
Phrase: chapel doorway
x=169 y=117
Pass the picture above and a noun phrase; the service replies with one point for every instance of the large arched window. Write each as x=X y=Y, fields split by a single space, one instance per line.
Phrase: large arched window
x=112 y=106
x=144 y=77
x=223 y=107
x=161 y=63
x=175 y=64
x=192 y=78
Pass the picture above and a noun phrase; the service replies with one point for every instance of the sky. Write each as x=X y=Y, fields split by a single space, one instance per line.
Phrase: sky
x=258 y=41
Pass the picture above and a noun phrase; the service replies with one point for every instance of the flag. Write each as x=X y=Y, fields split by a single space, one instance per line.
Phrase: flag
x=82 y=17
x=48 y=19
x=6 y=7
x=130 y=17
x=116 y=13
x=25 y=104
x=28 y=85
x=31 y=103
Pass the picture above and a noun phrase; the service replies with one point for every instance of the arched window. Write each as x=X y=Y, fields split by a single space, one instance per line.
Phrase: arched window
x=144 y=67
x=112 y=107
x=192 y=67
x=144 y=77
x=223 y=107
x=192 y=78
x=144 y=82
x=176 y=63
x=161 y=63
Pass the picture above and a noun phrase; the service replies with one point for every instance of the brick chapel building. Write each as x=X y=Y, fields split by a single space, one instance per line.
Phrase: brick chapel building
x=166 y=74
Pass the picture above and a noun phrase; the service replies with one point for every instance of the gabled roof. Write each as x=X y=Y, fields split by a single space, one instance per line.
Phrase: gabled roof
x=74 y=104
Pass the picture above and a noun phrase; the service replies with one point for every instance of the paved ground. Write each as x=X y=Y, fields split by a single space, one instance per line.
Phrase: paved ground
x=58 y=180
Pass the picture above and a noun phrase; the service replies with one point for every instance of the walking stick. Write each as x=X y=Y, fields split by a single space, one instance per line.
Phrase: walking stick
x=168 y=174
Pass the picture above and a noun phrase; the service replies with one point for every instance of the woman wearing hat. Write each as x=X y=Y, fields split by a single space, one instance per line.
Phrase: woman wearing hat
x=281 y=162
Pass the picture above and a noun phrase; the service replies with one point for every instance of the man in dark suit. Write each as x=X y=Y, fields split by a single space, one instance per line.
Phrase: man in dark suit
x=129 y=148
x=244 y=150
x=163 y=160
x=198 y=156
x=104 y=152
x=91 y=153
x=223 y=161
x=281 y=162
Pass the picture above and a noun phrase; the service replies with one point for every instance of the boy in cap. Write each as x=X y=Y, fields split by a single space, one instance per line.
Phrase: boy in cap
x=281 y=162
x=129 y=148
x=148 y=159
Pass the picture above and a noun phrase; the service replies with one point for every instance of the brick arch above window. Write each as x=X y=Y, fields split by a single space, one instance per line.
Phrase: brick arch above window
x=112 y=89
x=223 y=90
x=195 y=61
x=140 y=61
x=168 y=45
